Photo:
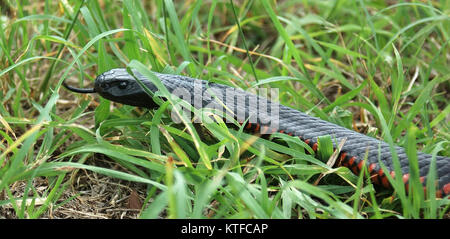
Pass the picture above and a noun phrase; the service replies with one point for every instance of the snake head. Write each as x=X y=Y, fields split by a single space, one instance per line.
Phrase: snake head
x=119 y=86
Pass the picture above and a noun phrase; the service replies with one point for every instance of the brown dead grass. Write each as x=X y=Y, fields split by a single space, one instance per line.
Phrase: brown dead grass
x=86 y=195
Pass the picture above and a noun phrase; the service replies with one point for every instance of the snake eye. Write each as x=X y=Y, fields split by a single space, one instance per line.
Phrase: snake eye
x=123 y=85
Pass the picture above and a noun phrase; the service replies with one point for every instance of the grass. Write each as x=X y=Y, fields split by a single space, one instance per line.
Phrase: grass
x=375 y=67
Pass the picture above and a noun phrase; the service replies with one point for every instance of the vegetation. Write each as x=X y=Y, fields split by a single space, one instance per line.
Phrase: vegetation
x=377 y=67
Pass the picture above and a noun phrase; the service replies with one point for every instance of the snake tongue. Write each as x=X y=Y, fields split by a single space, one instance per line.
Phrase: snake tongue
x=79 y=90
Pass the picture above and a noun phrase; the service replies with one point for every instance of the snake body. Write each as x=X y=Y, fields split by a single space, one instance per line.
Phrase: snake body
x=119 y=86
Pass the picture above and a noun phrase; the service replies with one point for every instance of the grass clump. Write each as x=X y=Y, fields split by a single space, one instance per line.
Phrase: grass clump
x=377 y=67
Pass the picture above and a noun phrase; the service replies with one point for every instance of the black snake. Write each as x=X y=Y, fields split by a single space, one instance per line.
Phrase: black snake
x=119 y=86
